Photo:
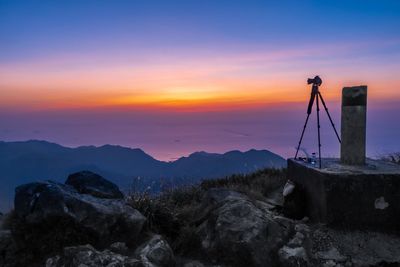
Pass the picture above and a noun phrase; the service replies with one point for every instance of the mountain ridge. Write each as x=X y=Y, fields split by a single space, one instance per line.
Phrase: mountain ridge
x=32 y=160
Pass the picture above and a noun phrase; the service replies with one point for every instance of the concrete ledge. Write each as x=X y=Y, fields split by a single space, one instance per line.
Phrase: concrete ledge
x=350 y=196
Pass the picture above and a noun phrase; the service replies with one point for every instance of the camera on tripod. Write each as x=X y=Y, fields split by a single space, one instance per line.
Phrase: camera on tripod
x=316 y=95
x=316 y=81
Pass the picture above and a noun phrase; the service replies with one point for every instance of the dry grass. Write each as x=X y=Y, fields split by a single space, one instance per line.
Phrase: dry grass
x=172 y=213
x=256 y=185
x=168 y=212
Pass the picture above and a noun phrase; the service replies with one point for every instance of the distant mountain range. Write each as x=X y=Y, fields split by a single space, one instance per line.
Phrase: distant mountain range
x=27 y=161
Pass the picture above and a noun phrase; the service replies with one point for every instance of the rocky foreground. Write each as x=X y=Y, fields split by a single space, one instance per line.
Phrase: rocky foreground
x=88 y=222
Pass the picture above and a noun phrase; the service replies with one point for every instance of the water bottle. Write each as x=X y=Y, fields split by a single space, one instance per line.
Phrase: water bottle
x=313 y=159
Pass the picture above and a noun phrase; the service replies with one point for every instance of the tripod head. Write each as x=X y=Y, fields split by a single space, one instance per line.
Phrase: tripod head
x=316 y=81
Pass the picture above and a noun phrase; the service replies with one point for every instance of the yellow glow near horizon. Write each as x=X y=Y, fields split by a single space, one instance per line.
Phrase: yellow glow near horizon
x=208 y=95
x=223 y=82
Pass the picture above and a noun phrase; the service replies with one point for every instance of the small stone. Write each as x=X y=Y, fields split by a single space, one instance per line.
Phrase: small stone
x=331 y=254
x=193 y=264
x=302 y=228
x=305 y=219
x=87 y=256
x=297 y=240
x=329 y=263
x=293 y=256
x=156 y=252
x=119 y=247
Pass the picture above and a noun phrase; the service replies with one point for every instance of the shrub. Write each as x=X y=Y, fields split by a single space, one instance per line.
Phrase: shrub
x=160 y=215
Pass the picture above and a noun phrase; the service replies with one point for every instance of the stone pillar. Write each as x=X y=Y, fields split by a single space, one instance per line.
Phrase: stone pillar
x=353 y=128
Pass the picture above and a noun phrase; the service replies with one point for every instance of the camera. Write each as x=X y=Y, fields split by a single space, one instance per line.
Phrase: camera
x=316 y=81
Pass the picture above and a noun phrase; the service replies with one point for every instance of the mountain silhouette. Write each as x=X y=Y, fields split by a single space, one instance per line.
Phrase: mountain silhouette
x=27 y=161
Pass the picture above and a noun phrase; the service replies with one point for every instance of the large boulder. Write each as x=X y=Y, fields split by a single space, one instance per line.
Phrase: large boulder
x=234 y=231
x=156 y=252
x=87 y=256
x=51 y=216
x=86 y=182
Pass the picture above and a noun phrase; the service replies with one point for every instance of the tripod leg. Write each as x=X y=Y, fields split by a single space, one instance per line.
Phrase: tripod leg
x=319 y=135
x=329 y=116
x=302 y=134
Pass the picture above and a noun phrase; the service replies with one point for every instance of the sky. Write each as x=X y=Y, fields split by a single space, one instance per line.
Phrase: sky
x=174 y=77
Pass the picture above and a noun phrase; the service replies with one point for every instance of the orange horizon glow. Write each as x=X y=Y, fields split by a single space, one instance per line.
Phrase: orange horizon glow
x=213 y=96
x=223 y=82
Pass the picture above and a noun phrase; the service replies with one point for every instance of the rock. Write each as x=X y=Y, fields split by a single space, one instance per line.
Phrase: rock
x=87 y=256
x=86 y=182
x=119 y=247
x=294 y=203
x=296 y=256
x=297 y=240
x=334 y=247
x=193 y=264
x=156 y=252
x=331 y=254
x=296 y=252
x=51 y=216
x=237 y=233
x=302 y=228
x=330 y=263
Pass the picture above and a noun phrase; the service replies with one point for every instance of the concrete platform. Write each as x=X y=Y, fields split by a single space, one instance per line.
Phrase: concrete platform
x=350 y=196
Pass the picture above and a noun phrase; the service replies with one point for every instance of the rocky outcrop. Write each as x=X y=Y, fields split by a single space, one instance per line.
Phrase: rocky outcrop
x=89 y=257
x=238 y=233
x=57 y=225
x=156 y=252
x=51 y=216
x=86 y=182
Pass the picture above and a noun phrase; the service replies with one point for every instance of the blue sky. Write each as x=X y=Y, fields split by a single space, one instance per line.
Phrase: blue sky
x=40 y=28
x=146 y=71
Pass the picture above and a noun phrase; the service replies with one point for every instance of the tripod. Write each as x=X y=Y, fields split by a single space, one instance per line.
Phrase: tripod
x=316 y=94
